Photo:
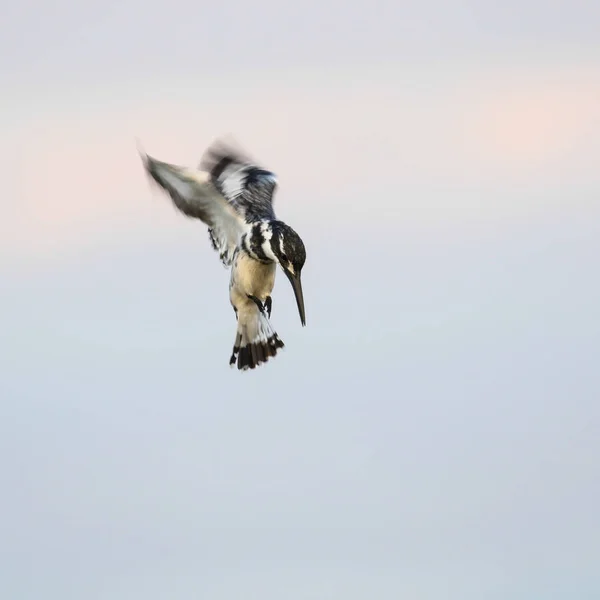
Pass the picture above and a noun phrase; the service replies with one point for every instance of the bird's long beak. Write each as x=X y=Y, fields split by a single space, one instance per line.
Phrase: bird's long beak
x=297 y=287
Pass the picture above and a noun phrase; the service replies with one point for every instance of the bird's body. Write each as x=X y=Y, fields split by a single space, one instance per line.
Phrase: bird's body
x=252 y=281
x=233 y=197
x=250 y=277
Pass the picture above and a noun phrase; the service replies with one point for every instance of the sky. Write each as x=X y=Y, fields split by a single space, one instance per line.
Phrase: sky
x=434 y=430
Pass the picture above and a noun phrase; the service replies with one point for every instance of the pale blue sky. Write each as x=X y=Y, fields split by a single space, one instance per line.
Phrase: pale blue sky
x=434 y=430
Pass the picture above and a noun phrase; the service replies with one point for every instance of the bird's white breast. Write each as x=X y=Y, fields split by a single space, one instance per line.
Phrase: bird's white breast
x=250 y=277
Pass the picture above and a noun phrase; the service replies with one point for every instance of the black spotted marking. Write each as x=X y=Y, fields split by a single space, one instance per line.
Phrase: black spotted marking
x=258 y=353
x=220 y=166
x=268 y=305
x=253 y=199
x=236 y=346
x=213 y=240
x=256 y=175
x=243 y=360
x=254 y=245
x=224 y=255
x=257 y=200
x=258 y=303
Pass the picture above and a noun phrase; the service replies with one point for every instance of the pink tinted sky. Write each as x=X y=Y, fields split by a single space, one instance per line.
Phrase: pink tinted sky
x=413 y=138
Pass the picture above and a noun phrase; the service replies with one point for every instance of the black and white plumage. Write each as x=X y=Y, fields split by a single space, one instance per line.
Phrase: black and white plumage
x=234 y=197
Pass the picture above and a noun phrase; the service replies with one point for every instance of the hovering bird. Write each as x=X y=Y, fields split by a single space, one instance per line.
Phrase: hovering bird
x=231 y=194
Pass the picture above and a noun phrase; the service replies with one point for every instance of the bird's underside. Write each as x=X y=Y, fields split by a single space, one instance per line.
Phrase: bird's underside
x=233 y=197
x=250 y=288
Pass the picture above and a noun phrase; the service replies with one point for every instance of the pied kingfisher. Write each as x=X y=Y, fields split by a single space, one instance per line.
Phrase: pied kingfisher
x=234 y=197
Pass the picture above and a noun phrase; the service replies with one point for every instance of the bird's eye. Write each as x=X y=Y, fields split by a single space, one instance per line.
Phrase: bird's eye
x=284 y=258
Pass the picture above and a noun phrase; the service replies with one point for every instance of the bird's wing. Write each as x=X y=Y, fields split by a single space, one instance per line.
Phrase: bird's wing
x=195 y=195
x=246 y=186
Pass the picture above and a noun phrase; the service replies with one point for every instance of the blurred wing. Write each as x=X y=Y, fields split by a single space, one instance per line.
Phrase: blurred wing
x=247 y=187
x=194 y=194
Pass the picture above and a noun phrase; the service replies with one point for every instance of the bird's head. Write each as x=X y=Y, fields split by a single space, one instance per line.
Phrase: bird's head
x=288 y=248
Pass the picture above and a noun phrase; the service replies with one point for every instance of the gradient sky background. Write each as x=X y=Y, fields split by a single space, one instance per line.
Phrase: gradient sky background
x=434 y=432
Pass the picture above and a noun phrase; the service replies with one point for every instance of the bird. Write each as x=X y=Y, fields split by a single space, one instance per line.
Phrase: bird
x=233 y=195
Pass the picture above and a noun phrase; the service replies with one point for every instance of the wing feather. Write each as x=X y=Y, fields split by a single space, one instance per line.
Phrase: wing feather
x=248 y=187
x=228 y=192
x=194 y=194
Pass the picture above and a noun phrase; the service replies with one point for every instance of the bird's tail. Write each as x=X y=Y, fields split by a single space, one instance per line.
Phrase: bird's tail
x=255 y=342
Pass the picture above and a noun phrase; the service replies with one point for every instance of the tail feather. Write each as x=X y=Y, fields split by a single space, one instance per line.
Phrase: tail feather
x=255 y=342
